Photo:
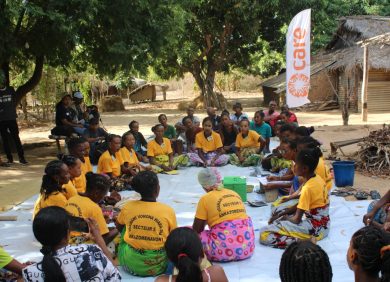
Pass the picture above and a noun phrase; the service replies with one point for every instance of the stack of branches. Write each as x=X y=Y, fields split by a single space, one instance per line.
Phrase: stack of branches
x=374 y=154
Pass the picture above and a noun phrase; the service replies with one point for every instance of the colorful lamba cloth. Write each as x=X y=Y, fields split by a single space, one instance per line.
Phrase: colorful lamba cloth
x=229 y=240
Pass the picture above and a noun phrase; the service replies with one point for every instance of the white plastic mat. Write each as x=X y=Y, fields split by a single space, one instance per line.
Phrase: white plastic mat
x=182 y=192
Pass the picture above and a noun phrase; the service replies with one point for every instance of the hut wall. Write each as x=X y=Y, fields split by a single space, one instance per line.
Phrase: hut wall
x=350 y=86
x=378 y=91
x=270 y=95
x=320 y=88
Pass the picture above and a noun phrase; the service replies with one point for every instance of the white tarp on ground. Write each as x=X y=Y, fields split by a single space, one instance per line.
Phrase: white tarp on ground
x=182 y=192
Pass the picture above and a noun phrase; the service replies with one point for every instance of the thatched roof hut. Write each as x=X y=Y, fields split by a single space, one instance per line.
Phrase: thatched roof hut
x=343 y=58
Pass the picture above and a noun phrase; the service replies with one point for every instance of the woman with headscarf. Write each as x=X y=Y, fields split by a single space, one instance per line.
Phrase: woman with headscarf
x=231 y=236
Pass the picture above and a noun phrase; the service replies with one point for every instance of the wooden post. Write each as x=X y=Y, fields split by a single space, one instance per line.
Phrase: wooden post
x=365 y=84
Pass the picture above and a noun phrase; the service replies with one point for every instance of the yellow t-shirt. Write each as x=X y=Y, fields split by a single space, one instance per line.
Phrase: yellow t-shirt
x=130 y=157
x=69 y=190
x=110 y=164
x=155 y=149
x=55 y=199
x=148 y=224
x=84 y=207
x=220 y=205
x=313 y=194
x=323 y=171
x=250 y=141
x=80 y=183
x=210 y=144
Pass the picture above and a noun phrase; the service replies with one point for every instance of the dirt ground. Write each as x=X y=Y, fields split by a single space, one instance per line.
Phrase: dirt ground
x=18 y=183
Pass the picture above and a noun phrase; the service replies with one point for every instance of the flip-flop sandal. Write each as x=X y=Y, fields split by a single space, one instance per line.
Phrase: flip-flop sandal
x=257 y=204
x=341 y=193
x=361 y=196
x=375 y=195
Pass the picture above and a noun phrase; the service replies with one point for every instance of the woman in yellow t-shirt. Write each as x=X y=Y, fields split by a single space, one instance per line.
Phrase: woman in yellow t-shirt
x=111 y=162
x=86 y=206
x=209 y=147
x=289 y=225
x=249 y=145
x=77 y=148
x=231 y=236
x=74 y=167
x=145 y=225
x=129 y=156
x=160 y=152
x=51 y=193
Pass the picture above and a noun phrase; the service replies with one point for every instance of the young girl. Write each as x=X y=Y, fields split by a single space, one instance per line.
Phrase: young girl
x=249 y=146
x=369 y=255
x=86 y=206
x=190 y=133
x=228 y=131
x=129 y=156
x=313 y=203
x=262 y=128
x=301 y=256
x=62 y=262
x=231 y=236
x=140 y=142
x=145 y=226
x=170 y=133
x=74 y=167
x=77 y=149
x=184 y=250
x=209 y=147
x=56 y=175
x=238 y=114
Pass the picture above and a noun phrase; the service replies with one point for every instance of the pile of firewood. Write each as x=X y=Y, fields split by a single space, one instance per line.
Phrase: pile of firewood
x=374 y=154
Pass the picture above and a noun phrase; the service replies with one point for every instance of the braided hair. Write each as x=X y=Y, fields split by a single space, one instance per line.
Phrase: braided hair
x=97 y=182
x=145 y=183
x=49 y=183
x=309 y=142
x=50 y=227
x=304 y=261
x=368 y=242
x=184 y=249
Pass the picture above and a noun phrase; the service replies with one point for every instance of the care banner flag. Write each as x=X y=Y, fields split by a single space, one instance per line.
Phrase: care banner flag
x=298 y=60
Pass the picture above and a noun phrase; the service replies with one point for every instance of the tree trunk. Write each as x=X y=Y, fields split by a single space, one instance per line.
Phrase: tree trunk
x=200 y=82
x=33 y=81
x=212 y=99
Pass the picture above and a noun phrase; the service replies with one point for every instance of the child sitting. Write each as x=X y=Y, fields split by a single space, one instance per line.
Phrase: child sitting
x=145 y=225
x=140 y=142
x=313 y=203
x=170 y=133
x=129 y=156
x=184 y=250
x=301 y=256
x=209 y=147
x=368 y=255
x=228 y=132
x=51 y=193
x=249 y=145
x=190 y=133
x=86 y=206
x=94 y=134
x=238 y=114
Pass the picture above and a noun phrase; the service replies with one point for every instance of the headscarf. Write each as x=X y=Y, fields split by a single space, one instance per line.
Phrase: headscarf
x=210 y=179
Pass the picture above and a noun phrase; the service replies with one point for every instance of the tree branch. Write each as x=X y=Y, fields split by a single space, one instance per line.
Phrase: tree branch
x=33 y=81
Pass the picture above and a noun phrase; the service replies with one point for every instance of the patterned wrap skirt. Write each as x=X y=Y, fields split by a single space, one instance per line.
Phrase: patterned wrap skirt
x=282 y=233
x=251 y=157
x=231 y=240
x=220 y=161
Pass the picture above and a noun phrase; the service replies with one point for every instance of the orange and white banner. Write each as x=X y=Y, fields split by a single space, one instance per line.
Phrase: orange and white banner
x=298 y=60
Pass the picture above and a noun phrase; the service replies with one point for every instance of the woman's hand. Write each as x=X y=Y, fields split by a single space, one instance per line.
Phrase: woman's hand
x=285 y=199
x=166 y=168
x=273 y=177
x=241 y=159
x=94 y=230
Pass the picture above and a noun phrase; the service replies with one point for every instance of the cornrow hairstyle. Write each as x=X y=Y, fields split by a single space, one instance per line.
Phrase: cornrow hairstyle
x=206 y=119
x=145 y=183
x=69 y=160
x=50 y=227
x=304 y=261
x=132 y=123
x=112 y=137
x=309 y=158
x=309 y=142
x=124 y=136
x=287 y=127
x=49 y=184
x=184 y=250
x=368 y=242
x=260 y=112
x=74 y=142
x=97 y=182
x=157 y=126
